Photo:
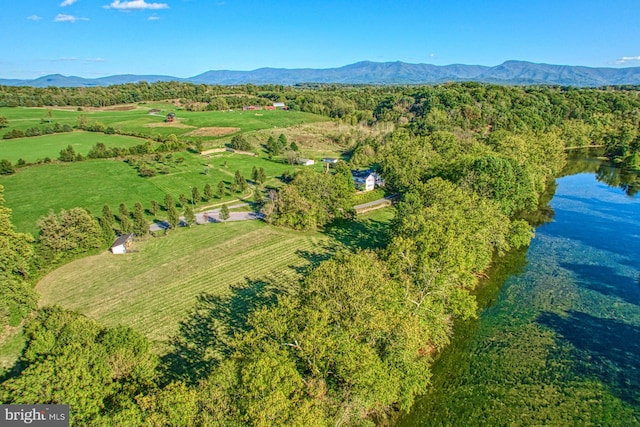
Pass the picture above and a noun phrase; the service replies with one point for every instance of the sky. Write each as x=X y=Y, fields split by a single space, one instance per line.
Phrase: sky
x=184 y=38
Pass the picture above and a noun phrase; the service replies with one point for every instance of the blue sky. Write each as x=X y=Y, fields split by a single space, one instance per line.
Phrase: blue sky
x=183 y=38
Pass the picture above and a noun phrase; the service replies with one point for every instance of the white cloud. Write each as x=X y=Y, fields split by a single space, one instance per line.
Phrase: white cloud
x=61 y=17
x=136 y=5
x=67 y=3
x=34 y=18
x=626 y=59
x=65 y=59
x=153 y=17
x=95 y=60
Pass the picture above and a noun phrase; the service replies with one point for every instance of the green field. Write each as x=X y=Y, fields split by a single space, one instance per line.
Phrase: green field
x=32 y=191
x=153 y=287
x=138 y=119
x=39 y=147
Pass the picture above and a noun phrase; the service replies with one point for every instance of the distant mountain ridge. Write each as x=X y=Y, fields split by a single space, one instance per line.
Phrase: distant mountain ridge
x=382 y=73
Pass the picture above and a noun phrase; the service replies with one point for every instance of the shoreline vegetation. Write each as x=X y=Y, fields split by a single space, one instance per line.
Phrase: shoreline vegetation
x=350 y=337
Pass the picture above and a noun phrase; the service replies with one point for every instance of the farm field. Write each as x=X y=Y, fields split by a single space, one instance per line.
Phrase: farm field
x=136 y=118
x=39 y=147
x=153 y=287
x=90 y=184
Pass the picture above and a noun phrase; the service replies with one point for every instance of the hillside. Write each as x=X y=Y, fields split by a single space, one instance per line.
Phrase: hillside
x=366 y=72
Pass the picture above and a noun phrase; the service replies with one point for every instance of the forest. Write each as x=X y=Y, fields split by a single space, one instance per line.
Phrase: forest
x=353 y=341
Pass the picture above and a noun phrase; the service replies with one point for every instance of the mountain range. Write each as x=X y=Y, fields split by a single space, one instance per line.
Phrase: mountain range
x=381 y=73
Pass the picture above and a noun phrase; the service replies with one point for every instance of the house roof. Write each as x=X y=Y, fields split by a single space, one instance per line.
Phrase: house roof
x=361 y=174
x=121 y=240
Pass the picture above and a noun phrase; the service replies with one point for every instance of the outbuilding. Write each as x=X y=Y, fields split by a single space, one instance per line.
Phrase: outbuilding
x=121 y=244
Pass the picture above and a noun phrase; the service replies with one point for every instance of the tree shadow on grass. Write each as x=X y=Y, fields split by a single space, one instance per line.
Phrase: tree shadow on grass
x=605 y=349
x=204 y=338
x=364 y=234
x=322 y=252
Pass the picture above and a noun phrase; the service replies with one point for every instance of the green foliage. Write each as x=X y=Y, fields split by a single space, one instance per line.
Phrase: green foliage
x=239 y=142
x=140 y=223
x=501 y=179
x=173 y=216
x=189 y=216
x=273 y=146
x=71 y=231
x=71 y=359
x=168 y=201
x=68 y=154
x=195 y=195
x=208 y=192
x=6 y=168
x=240 y=182
x=442 y=238
x=155 y=207
x=224 y=212
x=220 y=191
x=182 y=199
x=311 y=200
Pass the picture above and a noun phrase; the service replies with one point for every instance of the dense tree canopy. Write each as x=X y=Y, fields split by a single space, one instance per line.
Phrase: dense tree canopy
x=355 y=338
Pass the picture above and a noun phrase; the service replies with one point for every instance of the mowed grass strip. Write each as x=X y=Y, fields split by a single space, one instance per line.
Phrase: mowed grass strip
x=154 y=287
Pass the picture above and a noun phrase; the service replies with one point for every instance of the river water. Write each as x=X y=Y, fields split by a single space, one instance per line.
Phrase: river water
x=558 y=341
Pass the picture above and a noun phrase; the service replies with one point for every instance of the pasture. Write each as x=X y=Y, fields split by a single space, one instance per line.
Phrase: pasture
x=153 y=288
x=40 y=147
x=137 y=118
x=90 y=184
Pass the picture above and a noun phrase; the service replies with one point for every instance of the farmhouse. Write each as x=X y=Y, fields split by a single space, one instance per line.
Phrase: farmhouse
x=171 y=117
x=121 y=244
x=366 y=180
x=280 y=105
x=306 y=162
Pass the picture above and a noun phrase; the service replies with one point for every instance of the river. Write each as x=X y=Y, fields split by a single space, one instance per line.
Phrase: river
x=558 y=340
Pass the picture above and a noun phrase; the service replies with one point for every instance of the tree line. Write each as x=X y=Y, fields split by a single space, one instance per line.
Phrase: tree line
x=354 y=340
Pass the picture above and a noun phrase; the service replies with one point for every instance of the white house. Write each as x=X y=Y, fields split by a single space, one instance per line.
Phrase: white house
x=306 y=162
x=121 y=244
x=366 y=180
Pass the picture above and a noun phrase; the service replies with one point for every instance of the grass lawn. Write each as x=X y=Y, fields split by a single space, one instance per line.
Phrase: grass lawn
x=32 y=191
x=138 y=119
x=39 y=147
x=11 y=345
x=153 y=287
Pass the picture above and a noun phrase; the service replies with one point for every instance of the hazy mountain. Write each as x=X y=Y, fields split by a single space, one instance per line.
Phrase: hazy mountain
x=366 y=72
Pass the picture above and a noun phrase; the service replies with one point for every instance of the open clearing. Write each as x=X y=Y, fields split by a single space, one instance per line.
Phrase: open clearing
x=137 y=119
x=169 y=125
x=154 y=287
x=31 y=192
x=213 y=131
x=39 y=147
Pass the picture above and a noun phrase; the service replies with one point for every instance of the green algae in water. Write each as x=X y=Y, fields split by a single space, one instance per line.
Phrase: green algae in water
x=558 y=343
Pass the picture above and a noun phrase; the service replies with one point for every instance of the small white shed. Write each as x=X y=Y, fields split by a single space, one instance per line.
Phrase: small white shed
x=121 y=244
